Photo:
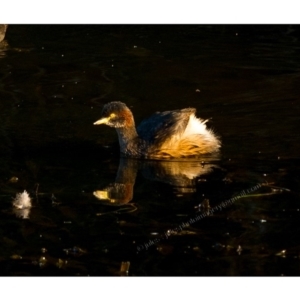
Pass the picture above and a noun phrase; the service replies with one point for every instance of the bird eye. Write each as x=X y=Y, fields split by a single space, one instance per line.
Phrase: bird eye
x=112 y=115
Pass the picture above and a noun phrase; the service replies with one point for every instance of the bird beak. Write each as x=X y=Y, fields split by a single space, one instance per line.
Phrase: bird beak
x=101 y=194
x=102 y=121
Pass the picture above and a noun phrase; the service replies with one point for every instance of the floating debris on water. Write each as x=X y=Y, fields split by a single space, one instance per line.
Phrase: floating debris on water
x=42 y=261
x=281 y=253
x=75 y=251
x=61 y=263
x=22 y=205
x=124 y=268
x=239 y=250
x=16 y=257
x=14 y=179
x=22 y=200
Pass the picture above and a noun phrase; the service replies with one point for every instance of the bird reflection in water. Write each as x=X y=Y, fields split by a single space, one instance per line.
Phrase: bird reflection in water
x=182 y=175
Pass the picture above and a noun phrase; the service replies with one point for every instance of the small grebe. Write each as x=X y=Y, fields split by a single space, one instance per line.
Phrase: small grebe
x=169 y=134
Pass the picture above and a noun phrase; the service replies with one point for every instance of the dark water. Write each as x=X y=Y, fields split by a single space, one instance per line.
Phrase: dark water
x=54 y=81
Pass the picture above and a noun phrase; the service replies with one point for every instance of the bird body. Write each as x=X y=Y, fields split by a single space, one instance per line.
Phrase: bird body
x=169 y=134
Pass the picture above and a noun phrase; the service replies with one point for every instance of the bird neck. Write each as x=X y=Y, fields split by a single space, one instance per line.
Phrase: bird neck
x=127 y=138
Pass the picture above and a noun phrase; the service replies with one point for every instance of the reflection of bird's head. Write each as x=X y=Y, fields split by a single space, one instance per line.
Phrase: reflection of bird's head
x=116 y=114
x=115 y=194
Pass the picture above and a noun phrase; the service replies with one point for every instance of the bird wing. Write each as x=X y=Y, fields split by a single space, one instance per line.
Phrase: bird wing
x=162 y=126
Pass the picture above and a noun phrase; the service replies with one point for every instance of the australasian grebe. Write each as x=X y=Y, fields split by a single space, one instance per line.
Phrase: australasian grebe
x=170 y=134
